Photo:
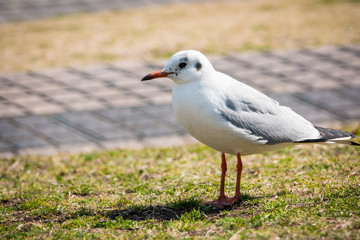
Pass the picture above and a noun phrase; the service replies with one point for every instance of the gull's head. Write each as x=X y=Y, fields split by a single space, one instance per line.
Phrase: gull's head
x=184 y=67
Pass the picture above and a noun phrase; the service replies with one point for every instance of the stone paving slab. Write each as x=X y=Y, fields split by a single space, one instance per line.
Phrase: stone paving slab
x=107 y=106
x=24 y=10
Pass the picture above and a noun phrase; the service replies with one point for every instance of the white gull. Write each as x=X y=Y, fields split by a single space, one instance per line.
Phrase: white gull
x=232 y=117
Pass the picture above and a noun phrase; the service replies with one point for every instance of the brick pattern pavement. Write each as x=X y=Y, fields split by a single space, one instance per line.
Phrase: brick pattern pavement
x=22 y=10
x=104 y=107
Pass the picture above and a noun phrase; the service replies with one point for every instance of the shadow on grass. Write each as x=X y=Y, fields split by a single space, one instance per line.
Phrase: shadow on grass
x=190 y=208
x=173 y=211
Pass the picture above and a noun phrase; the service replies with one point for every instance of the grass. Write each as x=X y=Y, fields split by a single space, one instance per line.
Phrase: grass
x=157 y=32
x=294 y=193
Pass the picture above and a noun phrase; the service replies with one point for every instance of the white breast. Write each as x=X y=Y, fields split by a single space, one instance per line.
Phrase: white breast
x=195 y=109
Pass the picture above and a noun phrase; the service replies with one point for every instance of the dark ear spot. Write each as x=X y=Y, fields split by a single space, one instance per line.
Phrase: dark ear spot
x=198 y=66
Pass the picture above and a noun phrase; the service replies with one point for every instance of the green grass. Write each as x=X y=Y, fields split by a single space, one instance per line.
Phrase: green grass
x=295 y=193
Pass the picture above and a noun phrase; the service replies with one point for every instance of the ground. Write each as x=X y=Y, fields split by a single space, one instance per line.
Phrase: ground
x=303 y=192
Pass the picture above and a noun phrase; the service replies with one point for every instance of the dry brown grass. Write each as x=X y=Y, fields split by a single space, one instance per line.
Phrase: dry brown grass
x=158 y=32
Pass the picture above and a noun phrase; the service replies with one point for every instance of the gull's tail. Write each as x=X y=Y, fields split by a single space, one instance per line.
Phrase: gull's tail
x=328 y=135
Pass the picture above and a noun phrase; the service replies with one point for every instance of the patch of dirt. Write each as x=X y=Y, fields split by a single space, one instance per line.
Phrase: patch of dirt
x=10 y=202
x=25 y=217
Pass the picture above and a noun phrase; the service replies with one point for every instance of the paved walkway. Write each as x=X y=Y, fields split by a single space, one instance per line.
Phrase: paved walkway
x=22 y=10
x=104 y=107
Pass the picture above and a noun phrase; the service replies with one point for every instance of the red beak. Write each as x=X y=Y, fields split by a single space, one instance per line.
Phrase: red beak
x=157 y=74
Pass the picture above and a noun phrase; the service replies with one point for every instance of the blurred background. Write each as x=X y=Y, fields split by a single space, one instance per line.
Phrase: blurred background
x=70 y=70
x=67 y=34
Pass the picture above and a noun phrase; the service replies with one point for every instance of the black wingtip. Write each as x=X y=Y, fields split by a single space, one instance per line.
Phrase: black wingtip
x=312 y=141
x=328 y=134
x=331 y=135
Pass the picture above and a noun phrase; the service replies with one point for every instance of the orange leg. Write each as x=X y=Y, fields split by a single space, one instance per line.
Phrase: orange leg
x=239 y=167
x=223 y=200
x=223 y=175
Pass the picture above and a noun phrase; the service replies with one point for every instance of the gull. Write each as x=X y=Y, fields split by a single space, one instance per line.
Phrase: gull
x=232 y=117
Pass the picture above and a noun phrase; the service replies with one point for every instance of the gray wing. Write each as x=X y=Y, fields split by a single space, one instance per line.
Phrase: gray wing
x=263 y=117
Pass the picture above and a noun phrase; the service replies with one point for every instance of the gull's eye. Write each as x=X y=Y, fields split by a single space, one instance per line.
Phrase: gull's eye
x=182 y=64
